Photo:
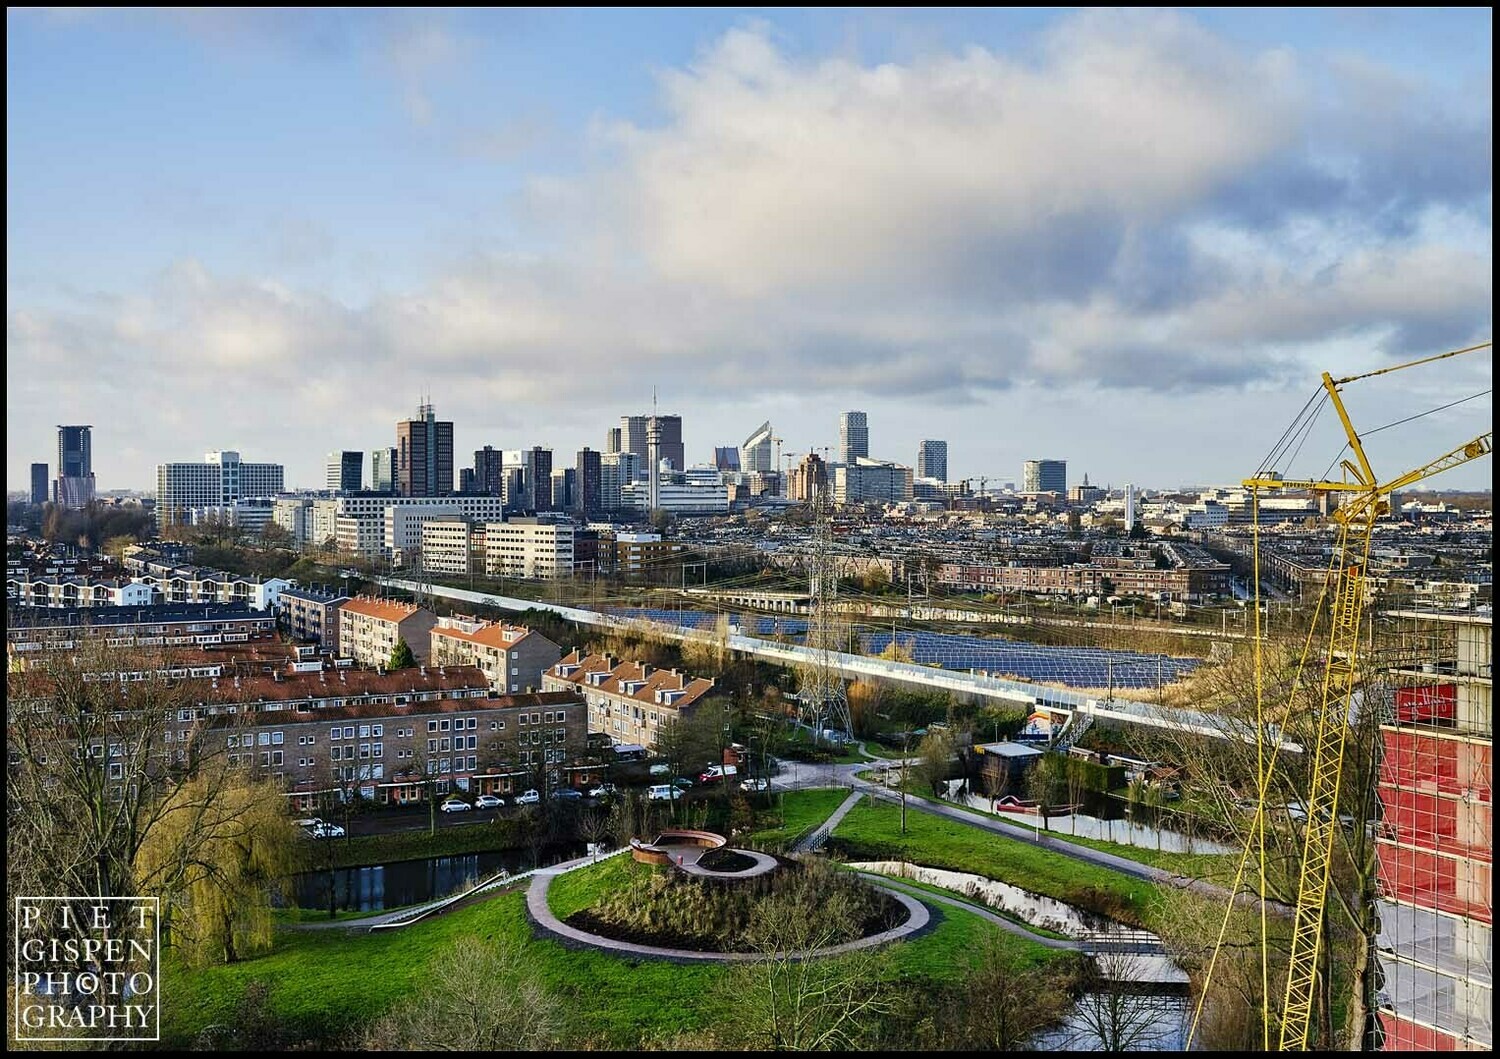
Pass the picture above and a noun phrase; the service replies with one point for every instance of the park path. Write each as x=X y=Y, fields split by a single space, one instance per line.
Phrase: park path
x=813 y=841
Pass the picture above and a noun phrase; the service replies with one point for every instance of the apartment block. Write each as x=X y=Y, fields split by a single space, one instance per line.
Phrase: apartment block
x=369 y=630
x=221 y=479
x=448 y=545
x=63 y=590
x=311 y=613
x=528 y=547
x=628 y=701
x=512 y=657
x=864 y=481
x=33 y=629
x=1435 y=838
x=194 y=584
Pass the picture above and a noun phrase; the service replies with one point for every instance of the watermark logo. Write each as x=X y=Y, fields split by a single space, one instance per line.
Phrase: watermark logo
x=88 y=968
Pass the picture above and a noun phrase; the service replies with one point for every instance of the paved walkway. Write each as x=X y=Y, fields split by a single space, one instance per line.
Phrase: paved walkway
x=918 y=920
x=689 y=865
x=813 y=841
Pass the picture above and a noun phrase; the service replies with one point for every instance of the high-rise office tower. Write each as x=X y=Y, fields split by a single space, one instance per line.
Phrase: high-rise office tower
x=854 y=436
x=633 y=436
x=489 y=471
x=424 y=455
x=932 y=460
x=564 y=489
x=669 y=435
x=529 y=479
x=612 y=440
x=38 y=483
x=219 y=481
x=587 y=482
x=1129 y=507
x=383 y=470
x=755 y=451
x=75 y=465
x=466 y=479
x=345 y=471
x=1045 y=476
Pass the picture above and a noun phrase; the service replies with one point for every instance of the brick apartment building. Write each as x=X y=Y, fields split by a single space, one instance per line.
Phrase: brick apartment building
x=513 y=657
x=628 y=701
x=369 y=630
x=311 y=614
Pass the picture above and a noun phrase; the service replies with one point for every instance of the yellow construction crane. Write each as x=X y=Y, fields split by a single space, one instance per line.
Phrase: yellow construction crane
x=1364 y=498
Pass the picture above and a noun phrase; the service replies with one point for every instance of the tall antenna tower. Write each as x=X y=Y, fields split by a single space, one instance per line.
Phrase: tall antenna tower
x=823 y=702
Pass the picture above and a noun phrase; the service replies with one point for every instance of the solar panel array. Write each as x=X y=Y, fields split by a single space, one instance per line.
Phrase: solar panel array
x=1080 y=667
x=749 y=624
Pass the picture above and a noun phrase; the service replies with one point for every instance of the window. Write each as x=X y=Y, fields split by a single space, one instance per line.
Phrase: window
x=473 y=742
x=348 y=751
x=443 y=725
x=276 y=757
x=561 y=735
x=378 y=730
x=234 y=740
x=364 y=731
x=364 y=750
x=116 y=771
x=472 y=762
x=335 y=753
x=378 y=750
x=276 y=738
x=445 y=765
x=432 y=746
x=264 y=738
x=443 y=744
x=515 y=687
x=549 y=717
x=432 y=726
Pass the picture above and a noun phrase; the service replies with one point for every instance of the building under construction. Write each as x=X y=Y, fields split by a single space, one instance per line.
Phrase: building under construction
x=1434 y=838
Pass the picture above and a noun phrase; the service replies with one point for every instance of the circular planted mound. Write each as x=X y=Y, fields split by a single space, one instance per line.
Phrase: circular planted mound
x=726 y=860
x=798 y=905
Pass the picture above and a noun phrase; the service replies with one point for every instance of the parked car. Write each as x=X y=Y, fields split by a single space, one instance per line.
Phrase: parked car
x=488 y=801
x=311 y=821
x=660 y=769
x=683 y=782
x=325 y=830
x=759 y=783
x=455 y=805
x=531 y=797
x=567 y=794
x=717 y=772
x=663 y=792
x=604 y=790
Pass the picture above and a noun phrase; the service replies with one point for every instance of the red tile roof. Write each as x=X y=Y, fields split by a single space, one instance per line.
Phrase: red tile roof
x=491 y=635
x=385 y=609
x=651 y=681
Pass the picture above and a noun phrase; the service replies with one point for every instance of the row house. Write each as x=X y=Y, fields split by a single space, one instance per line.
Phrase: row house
x=54 y=590
x=513 y=657
x=191 y=584
x=628 y=701
x=158 y=625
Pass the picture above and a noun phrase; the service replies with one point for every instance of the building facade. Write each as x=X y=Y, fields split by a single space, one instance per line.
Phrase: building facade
x=854 y=436
x=867 y=481
x=383 y=470
x=808 y=478
x=589 y=482
x=932 y=460
x=528 y=548
x=311 y=614
x=369 y=630
x=628 y=701
x=756 y=452
x=1435 y=839
x=424 y=455
x=75 y=466
x=220 y=480
x=1045 y=476
x=489 y=474
x=39 y=489
x=512 y=657
x=344 y=471
x=447 y=545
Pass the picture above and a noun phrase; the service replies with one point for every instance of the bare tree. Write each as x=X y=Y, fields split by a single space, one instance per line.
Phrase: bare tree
x=479 y=996
x=1118 y=1011
x=1002 y=1003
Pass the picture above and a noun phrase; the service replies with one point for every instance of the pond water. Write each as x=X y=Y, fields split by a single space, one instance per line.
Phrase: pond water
x=408 y=882
x=1145 y=1011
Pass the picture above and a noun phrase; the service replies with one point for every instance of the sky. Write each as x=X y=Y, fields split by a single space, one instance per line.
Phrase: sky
x=1133 y=240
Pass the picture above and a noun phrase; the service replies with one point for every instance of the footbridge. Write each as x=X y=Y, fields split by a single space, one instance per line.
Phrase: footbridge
x=1065 y=705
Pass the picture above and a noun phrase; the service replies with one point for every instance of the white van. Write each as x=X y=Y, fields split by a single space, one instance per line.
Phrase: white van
x=663 y=792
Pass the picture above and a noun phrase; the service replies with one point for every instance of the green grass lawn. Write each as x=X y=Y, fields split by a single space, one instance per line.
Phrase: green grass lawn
x=874 y=833
x=327 y=985
x=576 y=890
x=799 y=812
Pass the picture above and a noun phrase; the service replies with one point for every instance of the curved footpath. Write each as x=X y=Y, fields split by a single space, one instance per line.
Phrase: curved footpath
x=919 y=921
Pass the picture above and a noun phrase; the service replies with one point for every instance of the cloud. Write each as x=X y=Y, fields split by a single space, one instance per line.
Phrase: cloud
x=1136 y=207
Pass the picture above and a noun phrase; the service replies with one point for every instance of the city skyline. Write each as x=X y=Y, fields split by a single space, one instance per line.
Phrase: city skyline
x=419 y=203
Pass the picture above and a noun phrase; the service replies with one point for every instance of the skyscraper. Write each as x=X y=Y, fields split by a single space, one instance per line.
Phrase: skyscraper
x=219 y=481
x=345 y=471
x=854 y=437
x=633 y=431
x=489 y=471
x=38 y=483
x=528 y=474
x=1129 y=507
x=424 y=455
x=75 y=465
x=932 y=460
x=588 y=482
x=383 y=470
x=755 y=451
x=612 y=440
x=1045 y=476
